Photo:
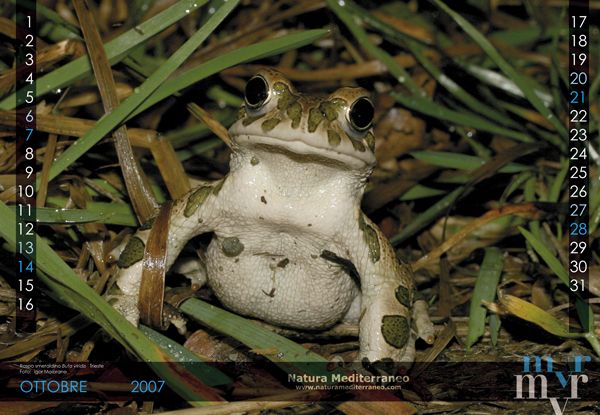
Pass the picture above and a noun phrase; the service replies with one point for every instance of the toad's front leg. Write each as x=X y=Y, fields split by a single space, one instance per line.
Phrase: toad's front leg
x=389 y=311
x=190 y=215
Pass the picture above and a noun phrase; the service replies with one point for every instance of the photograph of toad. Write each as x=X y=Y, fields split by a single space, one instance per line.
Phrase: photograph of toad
x=299 y=207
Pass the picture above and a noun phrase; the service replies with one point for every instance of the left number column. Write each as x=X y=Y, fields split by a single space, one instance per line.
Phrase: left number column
x=26 y=167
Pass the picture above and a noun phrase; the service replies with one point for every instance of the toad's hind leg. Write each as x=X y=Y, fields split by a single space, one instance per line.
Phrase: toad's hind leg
x=193 y=268
x=388 y=307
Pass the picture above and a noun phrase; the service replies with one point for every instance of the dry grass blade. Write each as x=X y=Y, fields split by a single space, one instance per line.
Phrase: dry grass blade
x=77 y=127
x=44 y=337
x=527 y=210
x=8 y=27
x=214 y=125
x=152 y=287
x=170 y=167
x=143 y=201
x=530 y=312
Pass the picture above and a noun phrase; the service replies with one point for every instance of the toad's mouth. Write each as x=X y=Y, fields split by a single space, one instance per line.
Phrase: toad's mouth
x=302 y=151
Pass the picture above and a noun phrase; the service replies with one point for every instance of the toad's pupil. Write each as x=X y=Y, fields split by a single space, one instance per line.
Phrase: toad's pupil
x=256 y=91
x=361 y=114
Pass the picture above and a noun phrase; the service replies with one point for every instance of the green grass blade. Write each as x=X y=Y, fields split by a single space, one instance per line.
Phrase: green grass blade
x=495 y=325
x=419 y=191
x=547 y=256
x=209 y=374
x=457 y=117
x=595 y=219
x=112 y=213
x=527 y=85
x=585 y=314
x=558 y=181
x=485 y=290
x=97 y=213
x=110 y=121
x=116 y=50
x=521 y=36
x=68 y=289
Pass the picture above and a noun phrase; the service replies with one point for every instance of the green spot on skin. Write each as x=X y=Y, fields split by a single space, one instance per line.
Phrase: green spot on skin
x=249 y=120
x=133 y=252
x=371 y=141
x=218 y=186
x=232 y=246
x=371 y=239
x=254 y=160
x=196 y=199
x=269 y=124
x=403 y=296
x=333 y=138
x=358 y=145
x=395 y=330
x=280 y=88
x=294 y=113
x=314 y=119
x=330 y=110
x=285 y=98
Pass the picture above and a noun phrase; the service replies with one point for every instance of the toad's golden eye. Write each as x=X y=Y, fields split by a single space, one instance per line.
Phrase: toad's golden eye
x=256 y=92
x=361 y=114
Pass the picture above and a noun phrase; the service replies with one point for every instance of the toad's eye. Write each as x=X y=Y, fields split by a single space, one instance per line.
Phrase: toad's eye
x=257 y=92
x=361 y=114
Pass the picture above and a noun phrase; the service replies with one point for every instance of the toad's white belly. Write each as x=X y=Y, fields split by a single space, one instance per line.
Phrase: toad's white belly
x=280 y=278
